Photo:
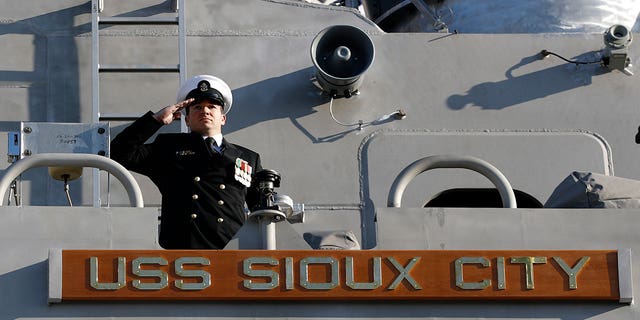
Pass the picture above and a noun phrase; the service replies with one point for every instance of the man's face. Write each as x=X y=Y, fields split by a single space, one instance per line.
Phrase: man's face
x=205 y=117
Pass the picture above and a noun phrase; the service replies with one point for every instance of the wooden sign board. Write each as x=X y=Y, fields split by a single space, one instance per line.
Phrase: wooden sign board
x=340 y=275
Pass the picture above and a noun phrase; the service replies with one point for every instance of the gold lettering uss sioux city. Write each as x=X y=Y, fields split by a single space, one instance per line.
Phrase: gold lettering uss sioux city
x=263 y=273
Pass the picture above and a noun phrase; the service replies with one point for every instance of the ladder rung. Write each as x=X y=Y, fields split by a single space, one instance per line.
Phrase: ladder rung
x=138 y=20
x=138 y=68
x=120 y=116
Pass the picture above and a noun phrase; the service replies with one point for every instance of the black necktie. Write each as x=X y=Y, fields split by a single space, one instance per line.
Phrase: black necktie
x=213 y=146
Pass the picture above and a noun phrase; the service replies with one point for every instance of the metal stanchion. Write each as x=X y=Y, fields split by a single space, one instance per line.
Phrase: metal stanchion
x=267 y=220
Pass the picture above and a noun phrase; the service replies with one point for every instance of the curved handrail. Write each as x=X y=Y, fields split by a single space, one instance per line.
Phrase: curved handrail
x=450 y=161
x=71 y=160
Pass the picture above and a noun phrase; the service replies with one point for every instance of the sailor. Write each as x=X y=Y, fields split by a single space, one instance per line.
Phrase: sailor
x=204 y=179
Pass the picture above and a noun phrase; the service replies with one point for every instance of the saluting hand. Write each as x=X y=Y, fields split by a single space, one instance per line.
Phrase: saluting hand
x=172 y=112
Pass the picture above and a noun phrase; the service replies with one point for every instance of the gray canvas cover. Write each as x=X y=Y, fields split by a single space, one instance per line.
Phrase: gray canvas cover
x=333 y=240
x=594 y=190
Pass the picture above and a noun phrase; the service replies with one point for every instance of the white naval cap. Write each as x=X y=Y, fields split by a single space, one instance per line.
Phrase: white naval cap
x=207 y=86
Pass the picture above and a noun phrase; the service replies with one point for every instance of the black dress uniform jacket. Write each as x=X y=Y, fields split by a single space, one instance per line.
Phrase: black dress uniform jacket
x=202 y=195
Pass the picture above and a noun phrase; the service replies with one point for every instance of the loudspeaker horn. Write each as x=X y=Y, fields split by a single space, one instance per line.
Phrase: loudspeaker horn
x=341 y=55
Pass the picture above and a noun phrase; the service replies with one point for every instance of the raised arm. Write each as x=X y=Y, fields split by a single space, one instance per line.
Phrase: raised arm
x=129 y=148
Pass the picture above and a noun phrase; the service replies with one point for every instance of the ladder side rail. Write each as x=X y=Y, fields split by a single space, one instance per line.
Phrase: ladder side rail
x=96 y=7
x=182 y=46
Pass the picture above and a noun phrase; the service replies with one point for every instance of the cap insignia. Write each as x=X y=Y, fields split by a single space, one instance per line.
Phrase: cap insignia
x=204 y=85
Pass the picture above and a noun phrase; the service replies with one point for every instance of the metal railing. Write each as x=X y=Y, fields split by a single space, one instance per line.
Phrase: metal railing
x=451 y=161
x=74 y=160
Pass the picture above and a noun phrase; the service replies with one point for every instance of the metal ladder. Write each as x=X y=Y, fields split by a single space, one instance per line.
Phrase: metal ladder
x=97 y=21
x=97 y=7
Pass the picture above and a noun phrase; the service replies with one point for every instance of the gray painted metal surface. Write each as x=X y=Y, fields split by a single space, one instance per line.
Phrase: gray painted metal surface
x=29 y=232
x=47 y=137
x=483 y=95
